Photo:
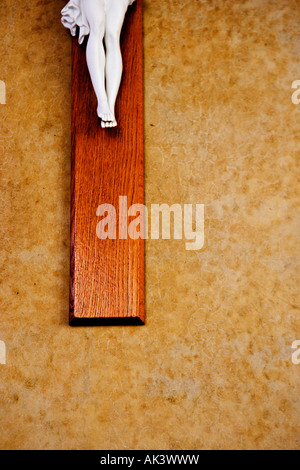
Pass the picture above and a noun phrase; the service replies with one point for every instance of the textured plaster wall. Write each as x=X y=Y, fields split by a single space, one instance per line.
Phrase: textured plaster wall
x=212 y=368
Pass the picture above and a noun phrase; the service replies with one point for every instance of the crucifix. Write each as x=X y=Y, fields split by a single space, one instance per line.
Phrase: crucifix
x=107 y=270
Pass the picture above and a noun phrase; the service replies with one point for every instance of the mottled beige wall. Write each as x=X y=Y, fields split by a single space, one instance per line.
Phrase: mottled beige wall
x=212 y=368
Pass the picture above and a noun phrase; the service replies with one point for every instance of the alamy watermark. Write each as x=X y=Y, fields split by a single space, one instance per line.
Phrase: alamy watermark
x=2 y=353
x=296 y=354
x=296 y=94
x=2 y=92
x=133 y=222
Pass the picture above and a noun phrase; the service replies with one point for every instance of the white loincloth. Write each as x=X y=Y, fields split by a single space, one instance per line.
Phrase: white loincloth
x=73 y=15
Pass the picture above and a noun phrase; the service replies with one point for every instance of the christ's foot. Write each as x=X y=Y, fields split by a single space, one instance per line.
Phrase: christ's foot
x=104 y=113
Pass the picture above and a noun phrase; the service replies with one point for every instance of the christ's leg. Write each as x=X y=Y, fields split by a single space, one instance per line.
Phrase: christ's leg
x=95 y=55
x=115 y=13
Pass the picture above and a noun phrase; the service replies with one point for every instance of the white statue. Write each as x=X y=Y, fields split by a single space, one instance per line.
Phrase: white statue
x=101 y=20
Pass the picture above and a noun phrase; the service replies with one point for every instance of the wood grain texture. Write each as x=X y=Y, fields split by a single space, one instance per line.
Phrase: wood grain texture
x=107 y=276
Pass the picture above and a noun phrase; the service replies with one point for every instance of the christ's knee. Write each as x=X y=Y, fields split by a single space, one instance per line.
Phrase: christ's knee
x=112 y=39
x=97 y=28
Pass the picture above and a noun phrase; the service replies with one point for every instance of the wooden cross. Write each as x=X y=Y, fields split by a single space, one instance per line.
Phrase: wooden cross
x=107 y=276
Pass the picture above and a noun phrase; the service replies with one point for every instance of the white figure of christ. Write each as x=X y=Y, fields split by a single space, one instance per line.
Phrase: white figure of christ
x=102 y=20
